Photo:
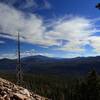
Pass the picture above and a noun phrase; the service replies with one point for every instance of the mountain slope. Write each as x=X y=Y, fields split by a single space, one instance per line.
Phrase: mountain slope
x=42 y=64
x=10 y=91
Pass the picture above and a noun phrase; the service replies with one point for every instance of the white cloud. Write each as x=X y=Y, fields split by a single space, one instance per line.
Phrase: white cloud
x=29 y=3
x=8 y=55
x=24 y=54
x=47 y=5
x=2 y=42
x=75 y=31
x=25 y=4
x=12 y=21
x=9 y=2
x=78 y=31
x=94 y=41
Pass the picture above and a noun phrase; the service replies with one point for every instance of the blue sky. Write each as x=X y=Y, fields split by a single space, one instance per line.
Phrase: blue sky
x=55 y=28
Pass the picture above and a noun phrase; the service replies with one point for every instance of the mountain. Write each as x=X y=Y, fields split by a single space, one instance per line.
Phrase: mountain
x=41 y=64
x=7 y=64
x=39 y=58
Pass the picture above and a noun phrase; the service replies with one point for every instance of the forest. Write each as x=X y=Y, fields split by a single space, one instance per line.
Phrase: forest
x=56 y=87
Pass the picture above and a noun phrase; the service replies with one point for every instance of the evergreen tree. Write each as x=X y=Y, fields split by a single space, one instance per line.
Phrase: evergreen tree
x=93 y=86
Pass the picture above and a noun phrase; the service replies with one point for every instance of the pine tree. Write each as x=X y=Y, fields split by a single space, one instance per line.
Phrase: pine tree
x=93 y=86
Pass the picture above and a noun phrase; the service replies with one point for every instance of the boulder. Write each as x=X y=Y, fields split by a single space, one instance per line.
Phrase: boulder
x=10 y=91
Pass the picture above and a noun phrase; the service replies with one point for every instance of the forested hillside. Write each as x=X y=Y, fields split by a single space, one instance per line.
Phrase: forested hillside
x=60 y=87
x=57 y=66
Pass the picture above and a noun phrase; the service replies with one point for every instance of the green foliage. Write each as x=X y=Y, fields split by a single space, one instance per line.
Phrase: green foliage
x=61 y=87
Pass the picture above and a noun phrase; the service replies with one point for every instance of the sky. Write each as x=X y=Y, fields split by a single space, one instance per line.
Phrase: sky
x=54 y=28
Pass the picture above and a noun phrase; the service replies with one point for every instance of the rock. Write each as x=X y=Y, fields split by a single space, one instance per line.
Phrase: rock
x=10 y=91
x=20 y=96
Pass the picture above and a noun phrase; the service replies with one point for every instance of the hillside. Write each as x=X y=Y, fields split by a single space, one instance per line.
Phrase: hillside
x=42 y=64
x=10 y=91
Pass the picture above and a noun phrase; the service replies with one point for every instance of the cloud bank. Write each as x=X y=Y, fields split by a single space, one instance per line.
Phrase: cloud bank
x=25 y=54
x=70 y=34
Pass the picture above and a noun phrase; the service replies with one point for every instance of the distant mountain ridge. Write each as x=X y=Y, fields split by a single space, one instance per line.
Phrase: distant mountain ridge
x=49 y=65
x=38 y=58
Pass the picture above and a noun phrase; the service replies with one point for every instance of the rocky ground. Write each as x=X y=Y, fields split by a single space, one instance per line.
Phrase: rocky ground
x=10 y=91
